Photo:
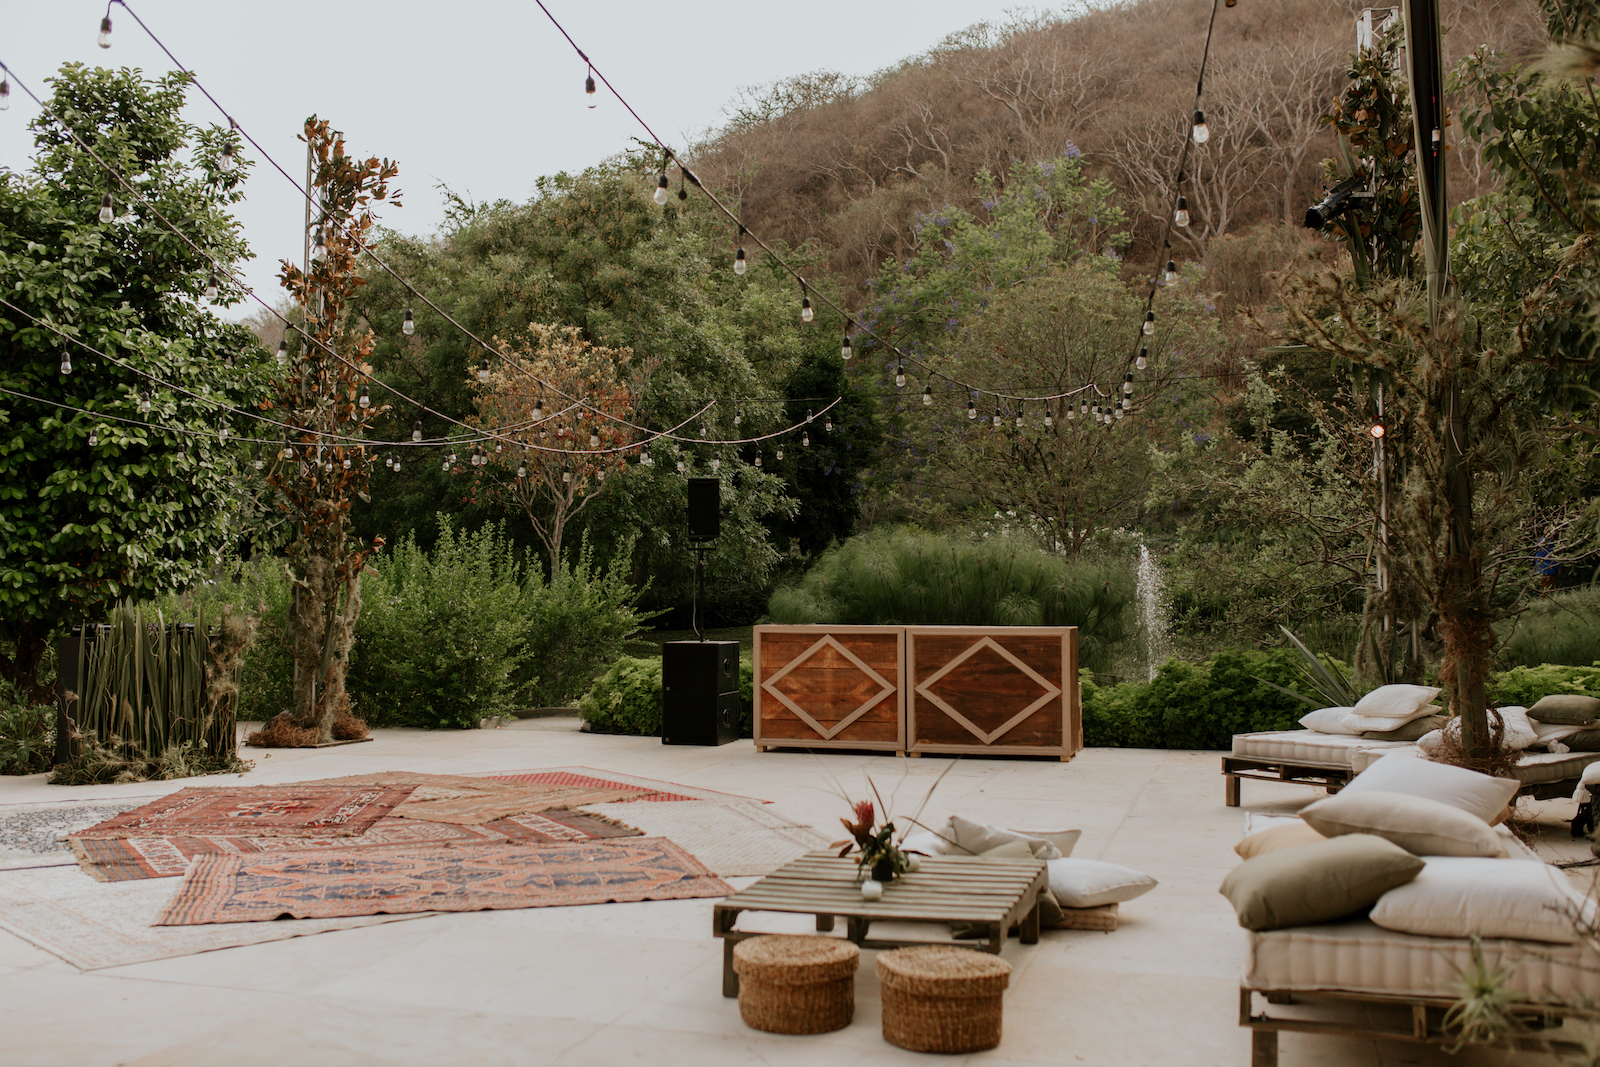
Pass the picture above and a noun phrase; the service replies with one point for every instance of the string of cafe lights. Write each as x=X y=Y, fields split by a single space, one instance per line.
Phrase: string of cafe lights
x=227 y=161
x=1198 y=133
x=474 y=436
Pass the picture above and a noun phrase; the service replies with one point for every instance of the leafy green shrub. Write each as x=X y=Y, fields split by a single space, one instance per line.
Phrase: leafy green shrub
x=579 y=623
x=1194 y=706
x=1523 y=686
x=625 y=699
x=1564 y=628
x=27 y=732
x=902 y=576
x=442 y=635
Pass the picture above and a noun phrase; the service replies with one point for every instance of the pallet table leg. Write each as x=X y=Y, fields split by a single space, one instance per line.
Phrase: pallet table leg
x=1230 y=790
x=1263 y=1048
x=1029 y=927
x=855 y=928
x=997 y=937
x=824 y=923
x=730 y=979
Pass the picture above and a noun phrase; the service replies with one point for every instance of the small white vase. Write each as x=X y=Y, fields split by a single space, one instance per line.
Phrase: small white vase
x=913 y=864
x=871 y=890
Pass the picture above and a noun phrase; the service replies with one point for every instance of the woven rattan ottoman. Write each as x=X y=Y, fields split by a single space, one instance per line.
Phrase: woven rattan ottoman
x=796 y=984
x=942 y=999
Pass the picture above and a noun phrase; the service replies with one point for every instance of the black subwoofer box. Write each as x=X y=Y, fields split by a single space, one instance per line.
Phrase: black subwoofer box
x=700 y=692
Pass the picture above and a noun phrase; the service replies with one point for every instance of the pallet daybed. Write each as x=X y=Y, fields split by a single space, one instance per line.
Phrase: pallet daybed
x=1307 y=979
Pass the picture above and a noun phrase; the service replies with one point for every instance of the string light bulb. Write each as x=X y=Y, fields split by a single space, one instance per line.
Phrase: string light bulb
x=778 y=453
x=716 y=464
x=740 y=264
x=758 y=461
x=1084 y=407
x=538 y=408
x=5 y=92
x=107 y=211
x=1019 y=416
x=680 y=466
x=397 y=464
x=446 y=466
x=589 y=91
x=388 y=461
x=844 y=350
x=483 y=370
x=66 y=363
x=661 y=194
x=1049 y=416
x=1172 y=272
x=225 y=159
x=104 y=40
x=900 y=376
x=347 y=463
x=594 y=437
x=566 y=477
x=1149 y=323
x=364 y=401
x=94 y=438
x=997 y=418
x=1181 y=216
x=972 y=409
x=827 y=423
x=408 y=325
x=927 y=396
x=1144 y=359
x=211 y=288
x=738 y=416
x=283 y=352
x=644 y=458
x=144 y=404
x=806 y=314
x=319 y=248
x=805 y=440
x=810 y=414
x=416 y=430
x=1127 y=383
x=522 y=471
x=1201 y=132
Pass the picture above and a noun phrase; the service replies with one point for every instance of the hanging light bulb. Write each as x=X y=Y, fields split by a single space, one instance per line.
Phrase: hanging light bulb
x=365 y=399
x=499 y=447
x=1201 y=132
x=416 y=430
x=446 y=467
x=347 y=463
x=408 y=325
x=287 y=453
x=594 y=437
x=222 y=433
x=1127 y=383
x=538 y=408
x=683 y=193
x=844 y=349
x=1097 y=413
x=1120 y=411
x=1072 y=409
x=972 y=409
x=740 y=264
x=680 y=466
x=225 y=160
x=104 y=40
x=806 y=314
x=644 y=458
x=810 y=414
x=211 y=288
x=94 y=438
x=900 y=376
x=758 y=460
x=588 y=91
x=1019 y=416
x=661 y=193
x=805 y=440
x=66 y=363
x=107 y=212
x=778 y=454
x=258 y=463
x=5 y=92
x=997 y=418
x=827 y=423
x=1083 y=408
x=144 y=404
x=566 y=477
x=397 y=464
x=388 y=461
x=927 y=396
x=1144 y=359
x=319 y=249
x=1049 y=418
x=1172 y=272
x=483 y=370
x=702 y=430
x=716 y=464
x=522 y=471
x=283 y=353
x=1181 y=216
x=1149 y=323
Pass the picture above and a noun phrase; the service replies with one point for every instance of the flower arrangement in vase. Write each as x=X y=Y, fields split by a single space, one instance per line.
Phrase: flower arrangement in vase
x=880 y=860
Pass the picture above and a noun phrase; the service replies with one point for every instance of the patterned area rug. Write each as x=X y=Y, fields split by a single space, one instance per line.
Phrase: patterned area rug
x=33 y=833
x=733 y=838
x=589 y=776
x=473 y=801
x=120 y=859
x=92 y=925
x=250 y=889
x=256 y=811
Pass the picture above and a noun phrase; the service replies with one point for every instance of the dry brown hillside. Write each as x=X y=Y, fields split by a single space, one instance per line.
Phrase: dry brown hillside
x=848 y=162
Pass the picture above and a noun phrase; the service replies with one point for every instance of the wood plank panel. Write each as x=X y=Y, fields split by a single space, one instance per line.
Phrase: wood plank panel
x=993 y=690
x=830 y=687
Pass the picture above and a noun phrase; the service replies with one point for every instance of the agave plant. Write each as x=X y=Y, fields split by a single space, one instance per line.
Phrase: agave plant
x=1332 y=686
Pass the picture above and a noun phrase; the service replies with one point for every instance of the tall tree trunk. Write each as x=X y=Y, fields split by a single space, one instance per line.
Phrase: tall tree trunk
x=1463 y=614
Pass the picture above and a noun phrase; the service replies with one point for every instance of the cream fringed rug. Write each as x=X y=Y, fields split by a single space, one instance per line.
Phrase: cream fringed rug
x=733 y=838
x=94 y=924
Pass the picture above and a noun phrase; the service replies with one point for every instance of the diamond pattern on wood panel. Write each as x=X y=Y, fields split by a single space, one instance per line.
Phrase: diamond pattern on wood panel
x=991 y=652
x=875 y=688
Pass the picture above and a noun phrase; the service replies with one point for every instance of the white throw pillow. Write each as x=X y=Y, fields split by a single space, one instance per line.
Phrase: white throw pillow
x=926 y=842
x=977 y=838
x=1459 y=896
x=1328 y=721
x=1091 y=883
x=1397 y=703
x=1384 y=724
x=1480 y=794
x=1520 y=733
x=1421 y=826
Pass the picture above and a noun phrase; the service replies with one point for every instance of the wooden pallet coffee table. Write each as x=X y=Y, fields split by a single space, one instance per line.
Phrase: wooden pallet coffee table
x=992 y=893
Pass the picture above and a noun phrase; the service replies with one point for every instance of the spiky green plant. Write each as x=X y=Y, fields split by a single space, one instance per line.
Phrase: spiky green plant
x=1323 y=676
x=1484 y=1007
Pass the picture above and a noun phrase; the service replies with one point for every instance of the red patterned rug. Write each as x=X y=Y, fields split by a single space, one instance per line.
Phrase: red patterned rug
x=256 y=811
x=583 y=781
x=122 y=859
x=332 y=883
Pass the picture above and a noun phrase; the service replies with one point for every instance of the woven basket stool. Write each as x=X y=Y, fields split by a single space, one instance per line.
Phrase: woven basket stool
x=939 y=998
x=796 y=985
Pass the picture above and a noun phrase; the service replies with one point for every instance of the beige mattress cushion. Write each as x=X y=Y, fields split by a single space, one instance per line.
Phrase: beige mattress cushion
x=1359 y=956
x=1536 y=768
x=1308 y=746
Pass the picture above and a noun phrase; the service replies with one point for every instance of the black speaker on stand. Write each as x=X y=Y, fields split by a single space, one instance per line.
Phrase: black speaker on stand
x=700 y=679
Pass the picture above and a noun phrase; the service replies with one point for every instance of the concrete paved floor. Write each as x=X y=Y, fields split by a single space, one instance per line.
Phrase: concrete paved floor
x=640 y=983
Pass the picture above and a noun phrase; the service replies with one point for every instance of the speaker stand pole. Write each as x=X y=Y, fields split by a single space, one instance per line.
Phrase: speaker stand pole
x=699 y=572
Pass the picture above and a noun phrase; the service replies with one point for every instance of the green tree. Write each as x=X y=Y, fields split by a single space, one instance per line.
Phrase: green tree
x=102 y=497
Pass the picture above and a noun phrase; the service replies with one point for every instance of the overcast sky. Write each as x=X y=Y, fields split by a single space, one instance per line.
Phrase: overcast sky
x=481 y=95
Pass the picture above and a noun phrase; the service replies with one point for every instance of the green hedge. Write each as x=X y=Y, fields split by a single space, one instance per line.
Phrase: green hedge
x=1523 y=686
x=27 y=732
x=1194 y=706
x=627 y=698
